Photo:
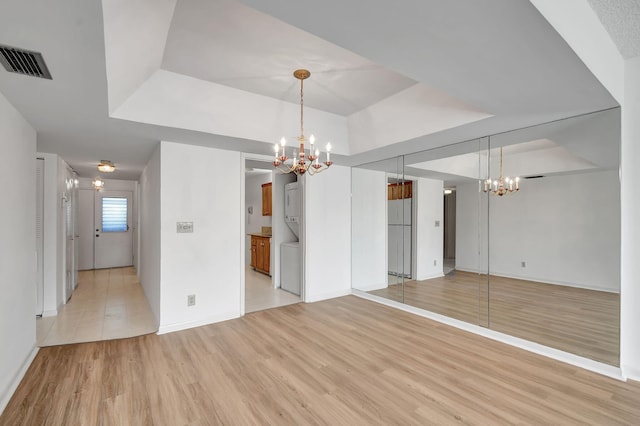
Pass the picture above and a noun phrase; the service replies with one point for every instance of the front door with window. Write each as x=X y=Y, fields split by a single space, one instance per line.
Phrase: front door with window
x=113 y=236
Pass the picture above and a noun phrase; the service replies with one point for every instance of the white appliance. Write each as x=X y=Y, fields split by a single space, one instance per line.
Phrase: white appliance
x=399 y=237
x=290 y=267
x=292 y=207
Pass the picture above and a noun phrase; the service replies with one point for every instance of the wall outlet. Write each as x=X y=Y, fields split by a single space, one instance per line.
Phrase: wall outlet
x=437 y=223
x=523 y=264
x=191 y=300
x=435 y=262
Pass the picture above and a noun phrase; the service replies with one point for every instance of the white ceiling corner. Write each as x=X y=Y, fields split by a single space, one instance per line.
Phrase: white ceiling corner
x=135 y=33
x=621 y=18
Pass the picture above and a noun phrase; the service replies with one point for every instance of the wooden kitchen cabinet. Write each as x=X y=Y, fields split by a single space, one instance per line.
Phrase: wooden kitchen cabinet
x=266 y=199
x=261 y=253
x=398 y=191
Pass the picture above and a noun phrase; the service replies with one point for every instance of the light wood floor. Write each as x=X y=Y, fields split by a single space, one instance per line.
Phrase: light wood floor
x=107 y=304
x=345 y=361
x=579 y=321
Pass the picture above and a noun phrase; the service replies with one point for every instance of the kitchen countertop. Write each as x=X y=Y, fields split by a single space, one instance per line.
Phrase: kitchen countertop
x=260 y=235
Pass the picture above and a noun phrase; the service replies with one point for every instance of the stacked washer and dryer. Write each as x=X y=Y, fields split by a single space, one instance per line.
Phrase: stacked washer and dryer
x=290 y=256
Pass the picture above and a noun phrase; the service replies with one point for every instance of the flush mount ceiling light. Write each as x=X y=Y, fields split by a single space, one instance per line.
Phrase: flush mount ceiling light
x=502 y=185
x=301 y=162
x=106 y=166
x=98 y=184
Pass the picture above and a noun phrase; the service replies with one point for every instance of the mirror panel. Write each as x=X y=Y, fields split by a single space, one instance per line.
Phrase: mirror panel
x=541 y=263
x=555 y=243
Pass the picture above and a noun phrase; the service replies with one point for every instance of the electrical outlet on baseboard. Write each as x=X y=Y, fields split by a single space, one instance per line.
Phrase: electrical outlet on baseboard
x=191 y=300
x=523 y=264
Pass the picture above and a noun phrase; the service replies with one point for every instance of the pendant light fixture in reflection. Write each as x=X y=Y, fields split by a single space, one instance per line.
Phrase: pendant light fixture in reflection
x=502 y=185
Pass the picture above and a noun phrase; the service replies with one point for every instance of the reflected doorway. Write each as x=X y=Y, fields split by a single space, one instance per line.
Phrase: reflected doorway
x=449 y=232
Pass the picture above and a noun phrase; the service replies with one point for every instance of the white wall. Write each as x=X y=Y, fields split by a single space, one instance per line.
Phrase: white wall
x=429 y=208
x=368 y=229
x=150 y=253
x=253 y=198
x=470 y=219
x=327 y=234
x=566 y=229
x=630 y=205
x=200 y=185
x=17 y=249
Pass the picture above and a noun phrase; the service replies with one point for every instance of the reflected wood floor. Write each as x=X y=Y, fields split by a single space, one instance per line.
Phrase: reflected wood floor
x=575 y=320
x=342 y=361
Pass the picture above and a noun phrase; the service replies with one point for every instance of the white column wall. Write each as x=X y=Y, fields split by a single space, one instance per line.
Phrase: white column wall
x=368 y=229
x=17 y=249
x=200 y=185
x=630 y=206
x=150 y=253
x=429 y=200
x=327 y=237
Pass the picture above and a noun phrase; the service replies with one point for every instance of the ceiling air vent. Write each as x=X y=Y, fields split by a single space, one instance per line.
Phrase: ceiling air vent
x=23 y=62
x=534 y=177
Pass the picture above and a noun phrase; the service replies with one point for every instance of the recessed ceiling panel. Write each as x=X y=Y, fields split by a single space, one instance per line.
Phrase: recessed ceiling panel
x=228 y=43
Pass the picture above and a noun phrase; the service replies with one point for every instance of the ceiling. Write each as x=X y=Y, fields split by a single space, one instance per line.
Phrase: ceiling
x=387 y=78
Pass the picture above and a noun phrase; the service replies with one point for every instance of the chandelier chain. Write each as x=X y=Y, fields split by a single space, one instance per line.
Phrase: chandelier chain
x=302 y=109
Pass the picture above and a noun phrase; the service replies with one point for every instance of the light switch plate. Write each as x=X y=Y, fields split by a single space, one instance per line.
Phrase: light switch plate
x=184 y=227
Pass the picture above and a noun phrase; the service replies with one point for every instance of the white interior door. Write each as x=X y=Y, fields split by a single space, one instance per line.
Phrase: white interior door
x=86 y=229
x=113 y=238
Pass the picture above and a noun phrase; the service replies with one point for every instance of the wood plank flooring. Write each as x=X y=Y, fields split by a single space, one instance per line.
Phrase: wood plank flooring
x=343 y=361
x=575 y=320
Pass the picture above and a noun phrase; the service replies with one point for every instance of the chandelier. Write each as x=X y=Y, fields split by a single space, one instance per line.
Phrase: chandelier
x=300 y=162
x=502 y=185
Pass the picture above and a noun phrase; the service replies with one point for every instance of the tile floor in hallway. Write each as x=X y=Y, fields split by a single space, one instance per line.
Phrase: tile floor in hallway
x=260 y=294
x=107 y=304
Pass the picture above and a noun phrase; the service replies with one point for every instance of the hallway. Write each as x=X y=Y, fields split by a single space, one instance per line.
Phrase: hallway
x=108 y=304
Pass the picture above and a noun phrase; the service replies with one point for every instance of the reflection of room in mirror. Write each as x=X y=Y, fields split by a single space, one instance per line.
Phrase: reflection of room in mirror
x=552 y=249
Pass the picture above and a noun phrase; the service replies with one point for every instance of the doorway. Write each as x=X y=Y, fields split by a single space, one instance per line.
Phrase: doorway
x=449 y=234
x=264 y=223
x=105 y=229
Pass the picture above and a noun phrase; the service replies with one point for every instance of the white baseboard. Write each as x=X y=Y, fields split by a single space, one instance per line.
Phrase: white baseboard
x=374 y=287
x=8 y=393
x=170 y=328
x=578 y=361
x=631 y=373
x=326 y=296
x=430 y=276
x=51 y=313
x=542 y=280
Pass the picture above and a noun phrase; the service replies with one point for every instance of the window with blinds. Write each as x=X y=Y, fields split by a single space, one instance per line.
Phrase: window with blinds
x=114 y=214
